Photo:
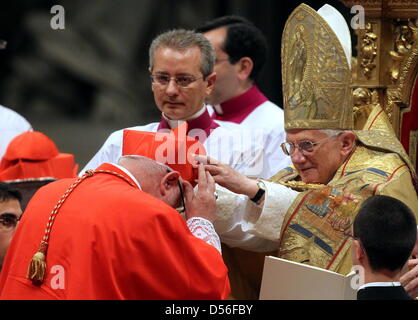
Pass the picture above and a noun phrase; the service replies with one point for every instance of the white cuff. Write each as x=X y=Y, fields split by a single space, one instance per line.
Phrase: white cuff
x=203 y=229
x=268 y=222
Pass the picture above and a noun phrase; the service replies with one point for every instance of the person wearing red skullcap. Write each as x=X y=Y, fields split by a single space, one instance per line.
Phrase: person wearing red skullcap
x=113 y=233
x=33 y=155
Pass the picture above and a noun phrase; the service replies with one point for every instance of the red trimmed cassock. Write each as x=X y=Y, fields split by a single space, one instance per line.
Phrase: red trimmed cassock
x=111 y=240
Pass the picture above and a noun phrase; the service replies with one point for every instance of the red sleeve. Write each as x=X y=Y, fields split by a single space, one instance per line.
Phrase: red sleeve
x=169 y=261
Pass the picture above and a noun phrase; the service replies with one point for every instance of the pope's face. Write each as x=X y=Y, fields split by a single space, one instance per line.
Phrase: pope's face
x=227 y=83
x=175 y=102
x=9 y=207
x=320 y=165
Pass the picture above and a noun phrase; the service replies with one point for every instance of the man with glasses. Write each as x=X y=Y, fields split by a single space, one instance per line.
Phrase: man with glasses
x=304 y=211
x=10 y=213
x=114 y=233
x=182 y=77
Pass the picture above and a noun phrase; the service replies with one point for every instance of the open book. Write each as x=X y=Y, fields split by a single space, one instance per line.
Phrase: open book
x=287 y=280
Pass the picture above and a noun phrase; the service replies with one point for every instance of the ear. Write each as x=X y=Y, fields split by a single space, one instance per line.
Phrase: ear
x=211 y=79
x=358 y=252
x=168 y=182
x=348 y=140
x=245 y=66
x=150 y=71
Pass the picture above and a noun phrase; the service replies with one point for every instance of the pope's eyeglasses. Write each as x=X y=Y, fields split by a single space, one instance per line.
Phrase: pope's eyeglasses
x=304 y=146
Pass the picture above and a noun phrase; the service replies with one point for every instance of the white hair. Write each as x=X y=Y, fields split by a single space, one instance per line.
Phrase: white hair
x=331 y=133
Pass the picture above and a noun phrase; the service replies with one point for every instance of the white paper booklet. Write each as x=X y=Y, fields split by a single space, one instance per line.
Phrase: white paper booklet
x=287 y=280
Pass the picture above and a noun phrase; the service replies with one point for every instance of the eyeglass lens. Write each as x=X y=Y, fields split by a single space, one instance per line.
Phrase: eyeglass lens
x=164 y=80
x=305 y=146
x=8 y=220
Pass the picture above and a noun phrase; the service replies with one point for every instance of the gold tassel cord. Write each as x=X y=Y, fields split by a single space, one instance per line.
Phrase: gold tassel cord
x=36 y=269
x=37 y=266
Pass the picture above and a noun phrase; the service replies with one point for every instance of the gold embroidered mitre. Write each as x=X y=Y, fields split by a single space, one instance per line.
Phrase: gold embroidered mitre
x=316 y=72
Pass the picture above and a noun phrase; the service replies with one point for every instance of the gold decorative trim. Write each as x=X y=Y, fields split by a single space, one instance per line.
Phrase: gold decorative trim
x=392 y=9
x=413 y=146
x=315 y=74
x=368 y=51
x=404 y=69
x=405 y=36
x=393 y=102
x=396 y=24
x=302 y=186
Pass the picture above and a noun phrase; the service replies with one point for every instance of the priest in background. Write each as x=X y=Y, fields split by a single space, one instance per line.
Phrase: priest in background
x=182 y=77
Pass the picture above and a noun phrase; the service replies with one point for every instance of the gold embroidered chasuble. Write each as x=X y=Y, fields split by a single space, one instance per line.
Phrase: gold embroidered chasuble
x=314 y=232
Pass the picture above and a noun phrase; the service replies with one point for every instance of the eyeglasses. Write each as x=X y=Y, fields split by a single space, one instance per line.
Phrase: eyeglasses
x=304 y=146
x=181 y=81
x=8 y=220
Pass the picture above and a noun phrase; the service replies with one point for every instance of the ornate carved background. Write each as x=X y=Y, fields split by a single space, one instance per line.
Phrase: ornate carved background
x=387 y=64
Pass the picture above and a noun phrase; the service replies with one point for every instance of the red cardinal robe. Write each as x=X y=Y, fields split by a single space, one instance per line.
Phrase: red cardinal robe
x=110 y=240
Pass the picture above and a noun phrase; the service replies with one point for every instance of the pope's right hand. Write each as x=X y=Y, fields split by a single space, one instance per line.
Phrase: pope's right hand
x=227 y=177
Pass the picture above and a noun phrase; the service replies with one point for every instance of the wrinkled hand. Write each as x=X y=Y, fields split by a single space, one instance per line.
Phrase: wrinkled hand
x=410 y=279
x=203 y=202
x=227 y=177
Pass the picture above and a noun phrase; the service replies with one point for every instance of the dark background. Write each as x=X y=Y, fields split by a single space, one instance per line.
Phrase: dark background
x=80 y=84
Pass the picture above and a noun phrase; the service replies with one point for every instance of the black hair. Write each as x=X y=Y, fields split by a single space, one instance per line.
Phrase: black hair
x=387 y=230
x=243 y=39
x=9 y=193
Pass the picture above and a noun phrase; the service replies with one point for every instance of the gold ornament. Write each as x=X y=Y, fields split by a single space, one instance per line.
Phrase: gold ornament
x=316 y=74
x=301 y=186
